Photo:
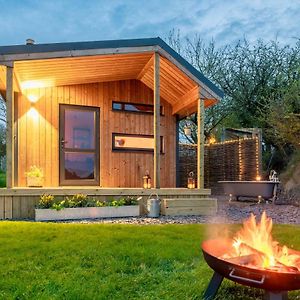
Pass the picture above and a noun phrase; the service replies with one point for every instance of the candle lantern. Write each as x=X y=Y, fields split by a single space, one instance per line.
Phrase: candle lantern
x=187 y=130
x=188 y=127
x=147 y=181
x=191 y=181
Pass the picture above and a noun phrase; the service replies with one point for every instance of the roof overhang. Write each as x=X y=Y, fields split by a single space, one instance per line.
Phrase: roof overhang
x=26 y=53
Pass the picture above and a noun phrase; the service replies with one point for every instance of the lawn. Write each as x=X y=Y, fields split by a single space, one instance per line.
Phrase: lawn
x=80 y=261
x=2 y=179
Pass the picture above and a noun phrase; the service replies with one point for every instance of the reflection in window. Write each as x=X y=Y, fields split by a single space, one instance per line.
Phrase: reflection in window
x=79 y=165
x=134 y=107
x=79 y=129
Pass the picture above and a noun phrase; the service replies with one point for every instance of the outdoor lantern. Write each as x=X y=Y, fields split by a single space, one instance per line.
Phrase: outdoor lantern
x=212 y=140
x=147 y=181
x=191 y=181
x=258 y=178
x=187 y=130
x=187 y=127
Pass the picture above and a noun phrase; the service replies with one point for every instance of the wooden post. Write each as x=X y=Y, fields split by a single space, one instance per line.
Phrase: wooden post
x=9 y=126
x=156 y=120
x=200 y=143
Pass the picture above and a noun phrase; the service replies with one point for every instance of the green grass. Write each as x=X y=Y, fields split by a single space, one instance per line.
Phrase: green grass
x=77 y=261
x=2 y=180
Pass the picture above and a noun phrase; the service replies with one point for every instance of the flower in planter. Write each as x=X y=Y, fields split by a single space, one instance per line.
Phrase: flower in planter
x=34 y=177
x=46 y=201
x=81 y=200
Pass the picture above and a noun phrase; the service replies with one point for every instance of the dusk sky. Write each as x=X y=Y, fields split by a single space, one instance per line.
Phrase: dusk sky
x=223 y=21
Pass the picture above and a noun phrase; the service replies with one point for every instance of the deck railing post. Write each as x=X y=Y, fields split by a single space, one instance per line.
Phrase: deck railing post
x=156 y=121
x=9 y=126
x=200 y=142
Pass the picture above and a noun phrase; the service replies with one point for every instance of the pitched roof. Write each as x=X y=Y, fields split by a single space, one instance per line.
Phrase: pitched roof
x=23 y=52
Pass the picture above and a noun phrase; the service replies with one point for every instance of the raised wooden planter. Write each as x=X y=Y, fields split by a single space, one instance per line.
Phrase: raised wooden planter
x=87 y=213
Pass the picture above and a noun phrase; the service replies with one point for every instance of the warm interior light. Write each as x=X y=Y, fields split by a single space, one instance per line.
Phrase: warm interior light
x=258 y=178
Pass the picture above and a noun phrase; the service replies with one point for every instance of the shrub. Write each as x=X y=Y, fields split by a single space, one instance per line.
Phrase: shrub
x=80 y=200
x=131 y=200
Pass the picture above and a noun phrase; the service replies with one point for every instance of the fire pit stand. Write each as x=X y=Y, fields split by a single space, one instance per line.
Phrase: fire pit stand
x=217 y=279
x=275 y=284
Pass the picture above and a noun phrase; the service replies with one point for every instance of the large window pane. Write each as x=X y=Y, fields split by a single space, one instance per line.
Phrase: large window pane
x=135 y=107
x=79 y=129
x=79 y=166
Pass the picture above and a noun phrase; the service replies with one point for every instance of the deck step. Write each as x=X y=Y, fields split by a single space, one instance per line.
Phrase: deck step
x=189 y=206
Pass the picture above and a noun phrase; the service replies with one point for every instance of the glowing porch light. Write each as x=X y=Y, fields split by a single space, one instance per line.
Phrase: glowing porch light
x=32 y=98
x=258 y=178
x=33 y=113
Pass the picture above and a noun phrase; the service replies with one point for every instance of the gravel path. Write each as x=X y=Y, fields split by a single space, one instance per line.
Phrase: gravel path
x=233 y=212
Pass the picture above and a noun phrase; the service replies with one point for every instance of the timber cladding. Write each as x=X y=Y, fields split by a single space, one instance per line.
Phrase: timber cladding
x=38 y=132
x=19 y=203
x=231 y=160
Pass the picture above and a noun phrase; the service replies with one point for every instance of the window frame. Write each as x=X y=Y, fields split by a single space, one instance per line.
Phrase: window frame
x=162 y=113
x=131 y=149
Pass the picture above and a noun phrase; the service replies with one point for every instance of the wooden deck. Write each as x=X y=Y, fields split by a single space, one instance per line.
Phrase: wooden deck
x=19 y=203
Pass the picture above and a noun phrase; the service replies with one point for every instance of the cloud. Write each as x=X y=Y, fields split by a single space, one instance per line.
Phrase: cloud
x=80 y=20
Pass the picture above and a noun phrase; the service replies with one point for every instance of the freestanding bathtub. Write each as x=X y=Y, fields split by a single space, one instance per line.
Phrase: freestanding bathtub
x=258 y=189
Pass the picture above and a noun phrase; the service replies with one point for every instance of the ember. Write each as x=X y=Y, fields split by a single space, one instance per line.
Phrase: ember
x=254 y=247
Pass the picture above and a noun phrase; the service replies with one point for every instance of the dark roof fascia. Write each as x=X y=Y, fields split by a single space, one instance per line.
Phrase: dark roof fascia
x=74 y=46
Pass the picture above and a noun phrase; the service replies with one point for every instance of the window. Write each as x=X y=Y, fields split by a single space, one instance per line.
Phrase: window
x=135 y=142
x=135 y=107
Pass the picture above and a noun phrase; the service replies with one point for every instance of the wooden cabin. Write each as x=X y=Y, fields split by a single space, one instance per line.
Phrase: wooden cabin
x=98 y=116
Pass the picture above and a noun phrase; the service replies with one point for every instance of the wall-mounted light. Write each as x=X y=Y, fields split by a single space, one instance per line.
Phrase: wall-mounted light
x=32 y=98
x=33 y=113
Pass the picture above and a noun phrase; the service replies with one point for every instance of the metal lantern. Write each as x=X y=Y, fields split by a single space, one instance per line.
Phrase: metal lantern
x=188 y=127
x=187 y=131
x=191 y=181
x=147 y=181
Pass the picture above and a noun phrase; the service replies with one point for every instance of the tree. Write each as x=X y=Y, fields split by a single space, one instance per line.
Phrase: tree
x=283 y=118
x=208 y=60
x=258 y=80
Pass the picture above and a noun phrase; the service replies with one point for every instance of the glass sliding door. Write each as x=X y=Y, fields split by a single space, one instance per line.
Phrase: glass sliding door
x=79 y=145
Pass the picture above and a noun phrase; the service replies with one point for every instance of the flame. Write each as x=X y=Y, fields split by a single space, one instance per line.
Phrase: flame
x=254 y=241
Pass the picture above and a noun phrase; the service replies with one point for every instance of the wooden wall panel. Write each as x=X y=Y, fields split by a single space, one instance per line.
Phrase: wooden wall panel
x=38 y=132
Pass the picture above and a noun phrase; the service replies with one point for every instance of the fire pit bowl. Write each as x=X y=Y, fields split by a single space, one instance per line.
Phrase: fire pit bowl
x=269 y=280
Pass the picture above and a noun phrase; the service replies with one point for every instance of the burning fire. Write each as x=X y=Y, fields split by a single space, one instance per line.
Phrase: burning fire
x=254 y=247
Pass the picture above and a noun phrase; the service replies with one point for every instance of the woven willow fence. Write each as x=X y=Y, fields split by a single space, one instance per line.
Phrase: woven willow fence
x=230 y=160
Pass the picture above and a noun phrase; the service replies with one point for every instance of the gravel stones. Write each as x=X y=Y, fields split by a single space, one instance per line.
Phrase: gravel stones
x=228 y=212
